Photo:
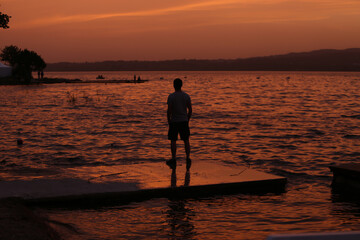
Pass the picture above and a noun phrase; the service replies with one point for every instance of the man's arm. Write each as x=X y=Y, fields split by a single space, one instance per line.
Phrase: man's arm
x=169 y=112
x=189 y=107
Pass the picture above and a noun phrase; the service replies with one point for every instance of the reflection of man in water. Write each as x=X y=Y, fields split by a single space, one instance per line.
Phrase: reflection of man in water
x=180 y=218
x=178 y=116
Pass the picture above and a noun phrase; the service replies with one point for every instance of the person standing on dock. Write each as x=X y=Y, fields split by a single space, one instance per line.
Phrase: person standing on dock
x=178 y=115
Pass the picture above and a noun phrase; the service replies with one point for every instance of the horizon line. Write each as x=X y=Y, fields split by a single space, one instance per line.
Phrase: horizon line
x=207 y=59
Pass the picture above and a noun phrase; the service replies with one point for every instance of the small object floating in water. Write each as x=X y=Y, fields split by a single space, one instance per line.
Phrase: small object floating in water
x=19 y=142
x=161 y=78
x=287 y=78
x=258 y=78
x=100 y=77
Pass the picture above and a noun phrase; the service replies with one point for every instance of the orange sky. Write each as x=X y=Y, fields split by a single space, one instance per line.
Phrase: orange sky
x=83 y=30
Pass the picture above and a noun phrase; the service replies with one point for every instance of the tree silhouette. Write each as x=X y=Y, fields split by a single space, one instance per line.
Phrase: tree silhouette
x=4 y=20
x=10 y=54
x=24 y=62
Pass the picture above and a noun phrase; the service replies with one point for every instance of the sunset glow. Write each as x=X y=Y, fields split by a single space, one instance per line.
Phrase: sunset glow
x=156 y=30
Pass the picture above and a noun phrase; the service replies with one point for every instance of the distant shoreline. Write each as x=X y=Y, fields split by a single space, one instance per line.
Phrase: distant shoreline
x=329 y=60
x=12 y=81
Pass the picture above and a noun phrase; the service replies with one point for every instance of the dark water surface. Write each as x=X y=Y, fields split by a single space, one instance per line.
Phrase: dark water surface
x=293 y=124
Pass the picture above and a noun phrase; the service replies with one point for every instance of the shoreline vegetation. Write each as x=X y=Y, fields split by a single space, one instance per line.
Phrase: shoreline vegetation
x=347 y=60
x=45 y=80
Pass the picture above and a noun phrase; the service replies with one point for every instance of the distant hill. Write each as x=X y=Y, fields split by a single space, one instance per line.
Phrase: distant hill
x=319 y=60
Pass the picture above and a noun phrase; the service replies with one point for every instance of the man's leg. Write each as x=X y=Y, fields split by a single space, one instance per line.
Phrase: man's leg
x=173 y=149
x=187 y=151
x=172 y=136
x=187 y=148
x=172 y=163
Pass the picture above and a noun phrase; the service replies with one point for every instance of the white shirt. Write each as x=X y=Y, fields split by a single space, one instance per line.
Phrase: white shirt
x=179 y=101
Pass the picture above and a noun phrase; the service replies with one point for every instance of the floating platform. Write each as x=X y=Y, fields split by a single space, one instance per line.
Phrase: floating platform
x=102 y=185
x=346 y=177
x=355 y=235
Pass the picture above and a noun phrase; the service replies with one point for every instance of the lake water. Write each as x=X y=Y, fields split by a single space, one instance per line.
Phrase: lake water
x=293 y=124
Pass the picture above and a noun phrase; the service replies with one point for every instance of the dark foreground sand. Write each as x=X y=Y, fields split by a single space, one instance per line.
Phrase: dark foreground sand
x=19 y=222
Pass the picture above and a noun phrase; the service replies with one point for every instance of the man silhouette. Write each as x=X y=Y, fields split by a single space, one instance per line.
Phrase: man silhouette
x=178 y=115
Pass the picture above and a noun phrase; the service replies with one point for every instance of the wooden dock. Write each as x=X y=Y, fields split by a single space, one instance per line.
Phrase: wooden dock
x=125 y=183
x=346 y=177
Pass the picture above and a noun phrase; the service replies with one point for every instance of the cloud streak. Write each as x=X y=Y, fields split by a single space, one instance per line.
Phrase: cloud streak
x=248 y=11
x=145 y=13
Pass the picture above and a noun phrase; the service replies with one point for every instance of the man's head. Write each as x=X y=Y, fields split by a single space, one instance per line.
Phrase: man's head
x=177 y=84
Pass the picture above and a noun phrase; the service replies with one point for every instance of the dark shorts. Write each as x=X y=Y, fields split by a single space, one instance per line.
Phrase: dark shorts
x=176 y=128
